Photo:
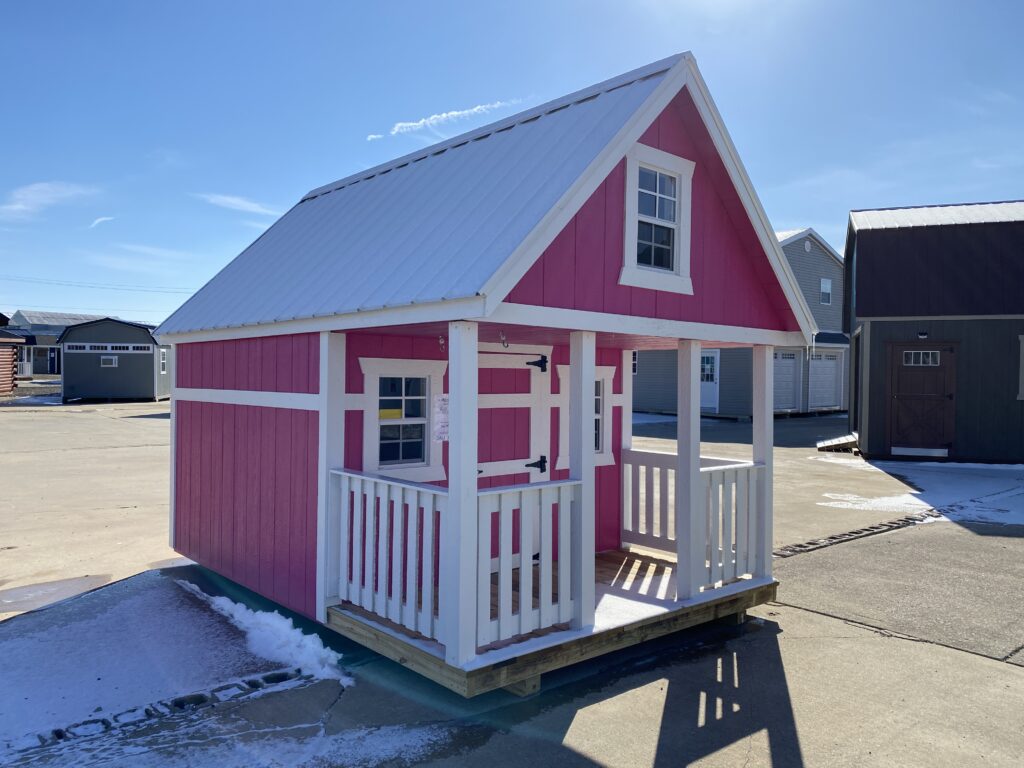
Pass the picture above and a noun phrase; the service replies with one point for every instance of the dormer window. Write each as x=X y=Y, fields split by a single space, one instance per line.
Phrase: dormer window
x=657 y=245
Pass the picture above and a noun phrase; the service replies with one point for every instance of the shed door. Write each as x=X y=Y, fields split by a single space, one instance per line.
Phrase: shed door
x=514 y=418
x=824 y=380
x=922 y=405
x=709 y=371
x=787 y=380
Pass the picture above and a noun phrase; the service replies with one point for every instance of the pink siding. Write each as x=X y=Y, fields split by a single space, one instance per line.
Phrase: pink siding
x=267 y=364
x=503 y=432
x=733 y=280
x=245 y=496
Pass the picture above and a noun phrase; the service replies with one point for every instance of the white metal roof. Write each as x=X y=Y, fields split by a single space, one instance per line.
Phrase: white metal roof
x=427 y=227
x=938 y=215
x=32 y=317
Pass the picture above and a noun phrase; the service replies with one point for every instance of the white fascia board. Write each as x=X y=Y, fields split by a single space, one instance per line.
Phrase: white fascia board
x=441 y=311
x=601 y=322
x=745 y=189
x=501 y=283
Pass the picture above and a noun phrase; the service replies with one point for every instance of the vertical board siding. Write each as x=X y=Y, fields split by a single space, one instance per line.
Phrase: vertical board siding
x=289 y=363
x=245 y=496
x=734 y=283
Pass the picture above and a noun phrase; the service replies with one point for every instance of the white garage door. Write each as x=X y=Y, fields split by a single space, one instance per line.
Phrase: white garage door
x=824 y=380
x=787 y=379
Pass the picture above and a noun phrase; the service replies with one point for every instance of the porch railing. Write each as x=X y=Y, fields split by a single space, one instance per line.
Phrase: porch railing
x=384 y=540
x=731 y=511
x=523 y=573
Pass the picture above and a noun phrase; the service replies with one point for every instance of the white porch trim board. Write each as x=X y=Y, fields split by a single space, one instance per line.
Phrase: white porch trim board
x=689 y=504
x=174 y=457
x=301 y=401
x=457 y=563
x=576 y=319
x=331 y=453
x=763 y=442
x=582 y=372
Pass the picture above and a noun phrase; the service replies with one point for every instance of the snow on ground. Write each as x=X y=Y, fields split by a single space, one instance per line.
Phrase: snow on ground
x=272 y=636
x=130 y=644
x=990 y=493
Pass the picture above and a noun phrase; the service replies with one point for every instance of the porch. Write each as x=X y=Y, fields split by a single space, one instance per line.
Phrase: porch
x=457 y=578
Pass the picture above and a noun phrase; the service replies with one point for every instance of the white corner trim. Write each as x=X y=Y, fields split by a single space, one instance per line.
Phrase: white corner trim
x=678 y=280
x=298 y=400
x=174 y=459
x=375 y=367
x=330 y=455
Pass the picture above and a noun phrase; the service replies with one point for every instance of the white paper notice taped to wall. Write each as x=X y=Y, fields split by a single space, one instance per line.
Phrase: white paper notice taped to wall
x=440 y=418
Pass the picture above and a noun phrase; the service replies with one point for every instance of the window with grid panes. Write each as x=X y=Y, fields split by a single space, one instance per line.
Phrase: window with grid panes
x=656 y=228
x=402 y=412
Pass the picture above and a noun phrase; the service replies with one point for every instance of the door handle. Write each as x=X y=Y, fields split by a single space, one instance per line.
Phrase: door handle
x=541 y=464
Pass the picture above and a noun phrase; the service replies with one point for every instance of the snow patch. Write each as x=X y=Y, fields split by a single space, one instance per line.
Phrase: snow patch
x=986 y=493
x=276 y=638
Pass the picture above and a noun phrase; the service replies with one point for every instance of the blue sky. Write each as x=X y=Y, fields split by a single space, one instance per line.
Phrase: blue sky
x=143 y=145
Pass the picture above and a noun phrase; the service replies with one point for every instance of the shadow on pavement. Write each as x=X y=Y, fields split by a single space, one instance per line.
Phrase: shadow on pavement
x=724 y=684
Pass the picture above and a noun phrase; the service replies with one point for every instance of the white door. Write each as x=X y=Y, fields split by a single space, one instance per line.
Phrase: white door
x=709 y=380
x=787 y=380
x=825 y=380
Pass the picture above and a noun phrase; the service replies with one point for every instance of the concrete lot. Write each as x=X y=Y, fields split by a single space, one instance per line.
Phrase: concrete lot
x=902 y=649
x=84 y=498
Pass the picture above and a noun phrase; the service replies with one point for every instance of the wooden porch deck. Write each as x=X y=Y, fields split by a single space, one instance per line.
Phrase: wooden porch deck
x=635 y=602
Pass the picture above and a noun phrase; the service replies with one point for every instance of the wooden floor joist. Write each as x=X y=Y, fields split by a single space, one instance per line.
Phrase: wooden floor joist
x=521 y=674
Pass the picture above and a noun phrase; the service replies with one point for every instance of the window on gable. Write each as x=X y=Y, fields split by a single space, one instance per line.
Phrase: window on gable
x=657 y=231
x=402 y=412
x=826 y=291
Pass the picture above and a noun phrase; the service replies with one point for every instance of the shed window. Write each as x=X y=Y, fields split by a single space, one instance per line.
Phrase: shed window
x=163 y=361
x=120 y=347
x=402 y=412
x=636 y=360
x=826 y=290
x=98 y=347
x=108 y=361
x=919 y=357
x=74 y=347
x=657 y=245
x=141 y=348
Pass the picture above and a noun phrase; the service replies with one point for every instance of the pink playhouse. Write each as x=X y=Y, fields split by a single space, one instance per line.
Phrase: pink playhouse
x=405 y=411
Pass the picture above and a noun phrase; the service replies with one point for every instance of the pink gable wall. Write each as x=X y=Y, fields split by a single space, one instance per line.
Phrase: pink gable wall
x=288 y=363
x=733 y=281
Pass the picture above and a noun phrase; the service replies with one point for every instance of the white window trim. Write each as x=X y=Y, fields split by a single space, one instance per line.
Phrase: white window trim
x=1020 y=390
x=633 y=274
x=606 y=456
x=163 y=362
x=108 y=357
x=373 y=369
x=822 y=291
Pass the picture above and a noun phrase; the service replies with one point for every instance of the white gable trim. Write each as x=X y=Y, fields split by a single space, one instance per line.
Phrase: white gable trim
x=810 y=232
x=683 y=73
x=501 y=283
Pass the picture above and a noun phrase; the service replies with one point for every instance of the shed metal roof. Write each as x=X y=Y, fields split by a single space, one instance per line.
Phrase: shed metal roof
x=428 y=227
x=938 y=215
x=33 y=317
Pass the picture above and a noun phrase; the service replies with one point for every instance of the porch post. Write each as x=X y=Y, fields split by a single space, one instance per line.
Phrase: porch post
x=331 y=455
x=582 y=376
x=764 y=438
x=457 y=558
x=691 y=537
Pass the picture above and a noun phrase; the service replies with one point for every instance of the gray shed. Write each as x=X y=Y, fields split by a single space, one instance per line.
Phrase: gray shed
x=112 y=359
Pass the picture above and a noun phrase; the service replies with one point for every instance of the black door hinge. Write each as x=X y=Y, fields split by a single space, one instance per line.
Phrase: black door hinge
x=542 y=363
x=541 y=464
